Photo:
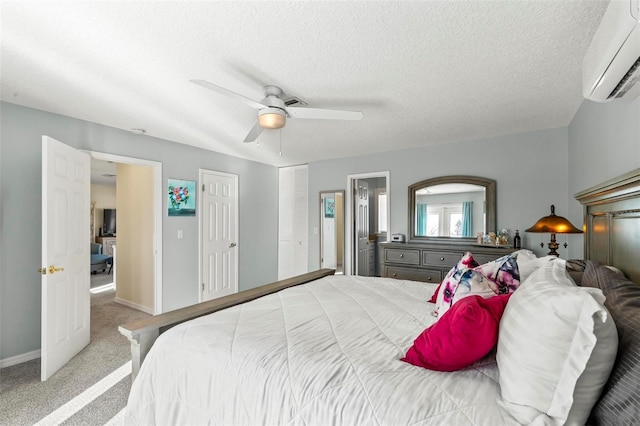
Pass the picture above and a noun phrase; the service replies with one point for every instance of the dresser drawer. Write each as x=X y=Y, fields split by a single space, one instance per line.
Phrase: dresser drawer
x=485 y=258
x=440 y=258
x=426 y=275
x=408 y=256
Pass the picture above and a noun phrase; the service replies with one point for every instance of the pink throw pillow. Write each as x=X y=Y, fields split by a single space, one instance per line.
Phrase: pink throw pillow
x=463 y=335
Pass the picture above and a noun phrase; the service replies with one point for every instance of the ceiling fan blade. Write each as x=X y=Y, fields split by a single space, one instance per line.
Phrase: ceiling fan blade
x=253 y=133
x=229 y=93
x=323 y=114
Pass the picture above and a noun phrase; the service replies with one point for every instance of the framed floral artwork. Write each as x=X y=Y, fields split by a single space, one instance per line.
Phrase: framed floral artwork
x=181 y=198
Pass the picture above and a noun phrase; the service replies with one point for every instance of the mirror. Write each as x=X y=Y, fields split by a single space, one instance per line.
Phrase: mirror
x=451 y=207
x=332 y=230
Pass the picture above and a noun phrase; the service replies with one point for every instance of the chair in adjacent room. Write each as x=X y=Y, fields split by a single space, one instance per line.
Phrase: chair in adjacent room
x=99 y=261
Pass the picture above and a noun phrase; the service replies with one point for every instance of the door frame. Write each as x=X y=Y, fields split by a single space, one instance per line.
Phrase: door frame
x=350 y=231
x=235 y=178
x=157 y=216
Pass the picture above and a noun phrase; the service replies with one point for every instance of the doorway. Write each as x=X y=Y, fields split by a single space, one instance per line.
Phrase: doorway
x=66 y=202
x=332 y=230
x=153 y=203
x=368 y=221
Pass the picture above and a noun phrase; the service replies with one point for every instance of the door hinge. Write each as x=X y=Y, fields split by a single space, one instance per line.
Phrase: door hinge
x=203 y=187
x=203 y=287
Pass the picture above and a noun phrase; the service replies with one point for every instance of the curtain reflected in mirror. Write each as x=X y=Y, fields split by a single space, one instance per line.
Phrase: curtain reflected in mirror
x=332 y=230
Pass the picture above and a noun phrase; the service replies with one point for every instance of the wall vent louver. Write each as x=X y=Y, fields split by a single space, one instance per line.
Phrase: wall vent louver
x=294 y=101
x=628 y=81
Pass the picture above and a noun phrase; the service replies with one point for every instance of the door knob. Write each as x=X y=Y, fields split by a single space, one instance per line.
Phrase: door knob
x=232 y=245
x=52 y=269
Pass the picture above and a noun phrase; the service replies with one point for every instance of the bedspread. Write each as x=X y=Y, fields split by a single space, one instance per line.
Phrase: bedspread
x=327 y=352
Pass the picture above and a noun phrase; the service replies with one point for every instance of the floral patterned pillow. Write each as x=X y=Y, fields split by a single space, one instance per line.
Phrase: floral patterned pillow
x=448 y=286
x=504 y=272
x=467 y=278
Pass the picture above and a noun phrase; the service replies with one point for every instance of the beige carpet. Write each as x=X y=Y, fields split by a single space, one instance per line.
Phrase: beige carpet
x=25 y=400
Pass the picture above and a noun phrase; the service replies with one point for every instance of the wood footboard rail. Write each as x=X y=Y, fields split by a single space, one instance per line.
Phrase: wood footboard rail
x=142 y=333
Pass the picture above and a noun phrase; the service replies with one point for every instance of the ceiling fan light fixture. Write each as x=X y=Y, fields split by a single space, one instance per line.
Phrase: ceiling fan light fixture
x=272 y=118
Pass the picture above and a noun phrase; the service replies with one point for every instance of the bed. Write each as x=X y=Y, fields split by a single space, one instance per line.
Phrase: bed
x=326 y=349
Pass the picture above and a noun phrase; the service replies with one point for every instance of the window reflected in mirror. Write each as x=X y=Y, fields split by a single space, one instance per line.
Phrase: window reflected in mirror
x=450 y=210
x=381 y=210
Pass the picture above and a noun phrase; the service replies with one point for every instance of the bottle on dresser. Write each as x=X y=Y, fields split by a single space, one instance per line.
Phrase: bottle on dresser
x=517 y=241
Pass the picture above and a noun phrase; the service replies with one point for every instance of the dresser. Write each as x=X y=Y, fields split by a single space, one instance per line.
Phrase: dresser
x=107 y=244
x=430 y=262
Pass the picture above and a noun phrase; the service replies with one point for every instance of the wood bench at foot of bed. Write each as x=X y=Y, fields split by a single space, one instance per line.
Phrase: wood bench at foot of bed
x=143 y=332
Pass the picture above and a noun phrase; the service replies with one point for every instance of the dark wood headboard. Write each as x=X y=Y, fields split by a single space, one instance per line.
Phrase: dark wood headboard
x=612 y=223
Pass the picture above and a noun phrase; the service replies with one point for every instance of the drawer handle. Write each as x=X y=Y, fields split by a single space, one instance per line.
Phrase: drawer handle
x=428 y=278
x=442 y=259
x=402 y=255
x=394 y=275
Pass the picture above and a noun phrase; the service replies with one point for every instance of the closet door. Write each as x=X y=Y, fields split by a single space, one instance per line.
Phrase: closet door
x=293 y=218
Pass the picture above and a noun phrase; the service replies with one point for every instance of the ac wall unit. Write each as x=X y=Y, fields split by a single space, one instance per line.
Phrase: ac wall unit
x=611 y=66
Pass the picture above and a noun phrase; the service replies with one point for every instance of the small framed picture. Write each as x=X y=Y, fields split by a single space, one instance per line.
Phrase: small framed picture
x=181 y=197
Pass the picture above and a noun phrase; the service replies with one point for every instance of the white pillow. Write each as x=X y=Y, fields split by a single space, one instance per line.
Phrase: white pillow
x=528 y=262
x=556 y=347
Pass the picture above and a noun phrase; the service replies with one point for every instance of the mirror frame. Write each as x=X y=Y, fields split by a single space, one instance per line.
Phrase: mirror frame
x=320 y=233
x=490 y=202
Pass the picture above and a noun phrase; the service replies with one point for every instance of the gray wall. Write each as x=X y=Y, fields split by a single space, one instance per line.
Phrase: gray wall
x=530 y=170
x=604 y=142
x=20 y=214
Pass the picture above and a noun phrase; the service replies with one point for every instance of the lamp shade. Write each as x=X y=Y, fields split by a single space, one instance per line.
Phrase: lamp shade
x=554 y=224
x=272 y=118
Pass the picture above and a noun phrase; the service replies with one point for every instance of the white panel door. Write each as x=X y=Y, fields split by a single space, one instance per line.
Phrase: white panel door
x=293 y=218
x=66 y=199
x=219 y=234
x=362 y=227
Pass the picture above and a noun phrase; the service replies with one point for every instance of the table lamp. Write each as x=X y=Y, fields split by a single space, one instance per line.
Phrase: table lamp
x=554 y=224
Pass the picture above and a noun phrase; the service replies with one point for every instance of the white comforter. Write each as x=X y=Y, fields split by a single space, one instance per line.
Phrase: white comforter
x=322 y=353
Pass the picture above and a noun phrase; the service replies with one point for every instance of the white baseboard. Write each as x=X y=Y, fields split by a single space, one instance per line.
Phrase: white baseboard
x=144 y=309
x=19 y=359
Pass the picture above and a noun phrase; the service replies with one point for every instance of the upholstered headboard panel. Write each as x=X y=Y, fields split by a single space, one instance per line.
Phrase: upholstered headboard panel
x=612 y=223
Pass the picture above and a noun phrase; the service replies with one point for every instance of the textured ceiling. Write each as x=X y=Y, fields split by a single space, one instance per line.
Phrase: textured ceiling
x=421 y=72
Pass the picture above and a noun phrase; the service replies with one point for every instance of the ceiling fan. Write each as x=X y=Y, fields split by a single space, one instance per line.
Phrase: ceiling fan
x=272 y=111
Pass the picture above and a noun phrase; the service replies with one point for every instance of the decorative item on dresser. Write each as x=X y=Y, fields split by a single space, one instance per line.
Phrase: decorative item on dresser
x=430 y=262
